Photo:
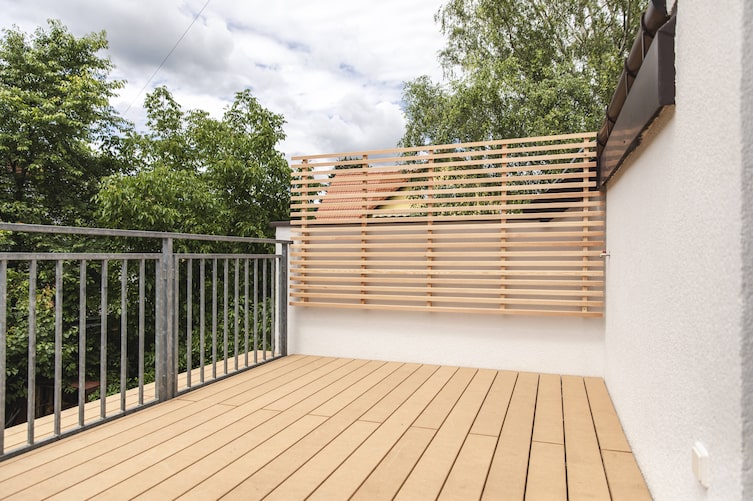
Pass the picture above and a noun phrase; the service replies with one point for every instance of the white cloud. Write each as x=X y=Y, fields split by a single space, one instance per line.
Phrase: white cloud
x=334 y=69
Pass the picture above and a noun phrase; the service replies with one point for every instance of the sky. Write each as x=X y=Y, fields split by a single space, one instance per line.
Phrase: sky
x=334 y=69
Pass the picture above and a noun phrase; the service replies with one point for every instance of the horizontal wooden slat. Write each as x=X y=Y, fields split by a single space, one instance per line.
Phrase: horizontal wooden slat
x=430 y=280
x=446 y=309
x=476 y=272
x=446 y=299
x=519 y=239
x=454 y=146
x=439 y=183
x=427 y=153
x=470 y=291
x=512 y=226
x=415 y=167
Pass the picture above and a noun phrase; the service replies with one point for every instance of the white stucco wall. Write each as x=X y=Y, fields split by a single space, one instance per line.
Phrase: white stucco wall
x=674 y=288
x=560 y=345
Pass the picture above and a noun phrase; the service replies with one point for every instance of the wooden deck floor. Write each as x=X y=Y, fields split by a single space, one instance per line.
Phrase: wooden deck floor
x=327 y=428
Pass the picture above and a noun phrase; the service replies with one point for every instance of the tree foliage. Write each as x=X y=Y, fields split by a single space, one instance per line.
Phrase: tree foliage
x=55 y=124
x=194 y=173
x=516 y=69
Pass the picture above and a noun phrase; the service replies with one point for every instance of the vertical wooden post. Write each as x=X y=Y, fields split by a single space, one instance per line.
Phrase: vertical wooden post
x=362 y=216
x=503 y=231
x=304 y=237
x=586 y=197
x=430 y=185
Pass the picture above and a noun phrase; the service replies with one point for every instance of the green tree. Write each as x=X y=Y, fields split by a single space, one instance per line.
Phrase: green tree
x=516 y=69
x=194 y=173
x=56 y=124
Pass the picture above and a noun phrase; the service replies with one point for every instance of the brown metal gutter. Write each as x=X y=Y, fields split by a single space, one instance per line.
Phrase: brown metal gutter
x=646 y=85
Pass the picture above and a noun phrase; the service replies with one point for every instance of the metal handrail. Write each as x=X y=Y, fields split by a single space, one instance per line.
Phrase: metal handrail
x=107 y=232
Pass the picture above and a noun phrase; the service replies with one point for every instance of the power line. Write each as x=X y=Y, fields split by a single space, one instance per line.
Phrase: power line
x=166 y=58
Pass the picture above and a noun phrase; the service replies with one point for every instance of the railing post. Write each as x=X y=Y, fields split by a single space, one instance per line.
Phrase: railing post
x=165 y=376
x=282 y=291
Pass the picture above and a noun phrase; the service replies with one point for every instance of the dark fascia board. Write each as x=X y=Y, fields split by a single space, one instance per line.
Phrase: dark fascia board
x=652 y=90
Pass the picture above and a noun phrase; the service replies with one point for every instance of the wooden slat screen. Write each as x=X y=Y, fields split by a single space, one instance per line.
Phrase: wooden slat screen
x=513 y=226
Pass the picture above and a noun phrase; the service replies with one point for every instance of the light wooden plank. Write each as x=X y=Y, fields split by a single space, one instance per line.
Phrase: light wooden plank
x=480 y=273
x=468 y=475
x=347 y=478
x=68 y=452
x=274 y=473
x=507 y=475
x=547 y=425
x=429 y=475
x=237 y=470
x=436 y=412
x=492 y=414
x=380 y=197
x=419 y=241
x=126 y=470
x=626 y=482
x=452 y=146
x=48 y=480
x=389 y=475
x=516 y=238
x=607 y=424
x=144 y=472
x=585 y=472
x=307 y=478
x=546 y=473
x=511 y=284
x=426 y=249
x=139 y=451
x=290 y=381
x=485 y=311
x=199 y=463
x=453 y=299
x=420 y=152
x=515 y=219
x=381 y=411
x=378 y=173
x=479 y=291
x=456 y=164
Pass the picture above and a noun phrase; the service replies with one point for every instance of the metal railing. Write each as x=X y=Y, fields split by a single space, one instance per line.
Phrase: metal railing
x=79 y=355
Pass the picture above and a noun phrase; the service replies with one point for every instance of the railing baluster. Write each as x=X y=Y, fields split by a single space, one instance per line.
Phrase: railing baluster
x=264 y=308
x=284 y=300
x=256 y=310
x=159 y=325
x=235 y=311
x=142 y=273
x=123 y=333
x=273 y=306
x=103 y=343
x=171 y=379
x=245 y=312
x=224 y=315
x=202 y=320
x=174 y=334
x=3 y=341
x=189 y=339
x=58 y=378
x=214 y=318
x=82 y=343
x=31 y=389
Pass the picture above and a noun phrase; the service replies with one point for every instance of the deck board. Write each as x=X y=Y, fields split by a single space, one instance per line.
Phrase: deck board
x=330 y=428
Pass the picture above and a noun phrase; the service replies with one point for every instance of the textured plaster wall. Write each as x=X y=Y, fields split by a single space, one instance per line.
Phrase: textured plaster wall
x=674 y=278
x=747 y=217
x=542 y=344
